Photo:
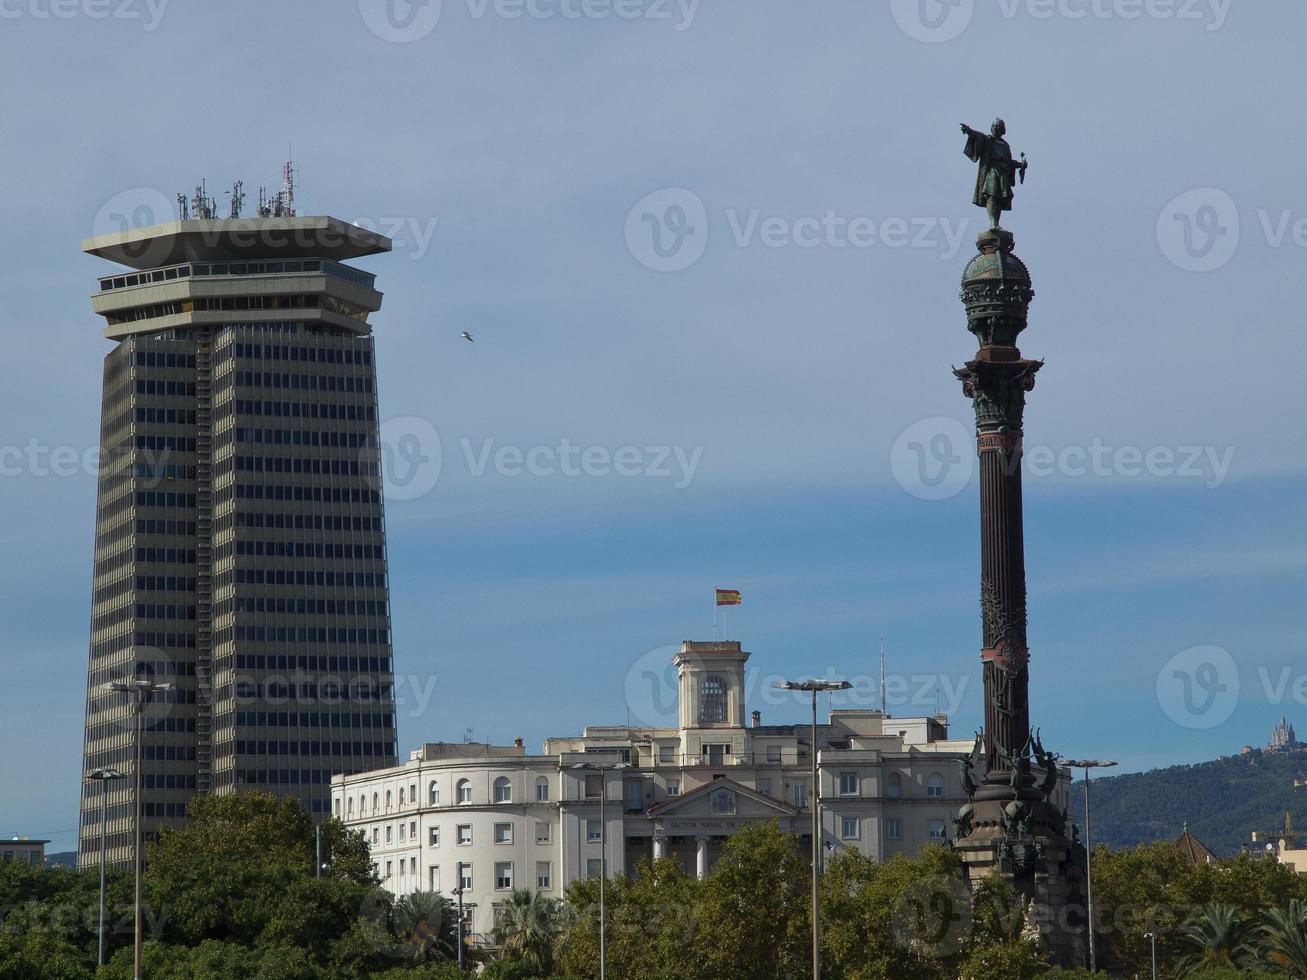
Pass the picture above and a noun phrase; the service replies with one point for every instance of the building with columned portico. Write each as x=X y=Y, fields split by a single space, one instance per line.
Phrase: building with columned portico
x=496 y=818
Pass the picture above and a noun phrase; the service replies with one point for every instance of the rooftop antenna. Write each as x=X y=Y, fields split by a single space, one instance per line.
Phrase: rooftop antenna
x=288 y=187
x=237 y=193
x=468 y=736
x=282 y=203
x=884 y=713
x=203 y=206
x=183 y=207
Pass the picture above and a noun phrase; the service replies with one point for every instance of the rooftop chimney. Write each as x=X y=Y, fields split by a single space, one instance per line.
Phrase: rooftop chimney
x=518 y=743
x=757 y=719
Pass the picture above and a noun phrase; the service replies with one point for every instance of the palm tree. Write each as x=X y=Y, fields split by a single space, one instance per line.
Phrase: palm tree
x=528 y=928
x=424 y=922
x=1218 y=936
x=1284 y=932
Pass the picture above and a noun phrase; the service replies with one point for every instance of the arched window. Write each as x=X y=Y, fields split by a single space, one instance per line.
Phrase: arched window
x=712 y=699
x=894 y=786
x=401 y=796
x=503 y=790
x=935 y=785
x=363 y=804
x=464 y=791
x=389 y=799
x=433 y=793
x=542 y=790
x=375 y=802
x=349 y=807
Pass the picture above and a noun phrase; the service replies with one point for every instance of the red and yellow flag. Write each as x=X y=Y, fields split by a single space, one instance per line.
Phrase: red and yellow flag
x=729 y=597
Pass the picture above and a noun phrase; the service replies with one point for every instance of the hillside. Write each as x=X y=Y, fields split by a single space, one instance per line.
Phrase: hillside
x=1223 y=801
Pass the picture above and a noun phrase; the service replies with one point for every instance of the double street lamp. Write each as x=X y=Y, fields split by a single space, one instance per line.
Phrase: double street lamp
x=104 y=777
x=1086 y=765
x=141 y=690
x=603 y=848
x=815 y=686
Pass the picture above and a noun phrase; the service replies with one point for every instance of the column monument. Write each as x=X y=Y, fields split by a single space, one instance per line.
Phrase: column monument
x=1011 y=825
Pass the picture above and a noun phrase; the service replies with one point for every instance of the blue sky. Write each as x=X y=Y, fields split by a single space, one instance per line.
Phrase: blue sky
x=797 y=359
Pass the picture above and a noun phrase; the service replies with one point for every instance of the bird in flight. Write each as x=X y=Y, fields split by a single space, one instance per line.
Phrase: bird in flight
x=468 y=337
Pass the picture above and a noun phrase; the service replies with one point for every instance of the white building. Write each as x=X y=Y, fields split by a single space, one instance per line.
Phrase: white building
x=507 y=819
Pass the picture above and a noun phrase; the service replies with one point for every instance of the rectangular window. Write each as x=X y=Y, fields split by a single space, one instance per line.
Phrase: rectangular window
x=594 y=786
x=544 y=879
x=894 y=829
x=592 y=831
x=667 y=753
x=800 y=795
x=849 y=828
x=937 y=830
x=503 y=875
x=465 y=833
x=673 y=789
x=848 y=784
x=773 y=753
x=413 y=866
x=389 y=866
x=412 y=830
x=401 y=833
x=503 y=833
x=764 y=787
x=413 y=793
x=542 y=832
x=594 y=868
x=433 y=878
x=465 y=877
x=390 y=833
x=435 y=836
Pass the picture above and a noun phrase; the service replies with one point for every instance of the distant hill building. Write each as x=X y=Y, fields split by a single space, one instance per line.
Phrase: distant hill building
x=1283 y=738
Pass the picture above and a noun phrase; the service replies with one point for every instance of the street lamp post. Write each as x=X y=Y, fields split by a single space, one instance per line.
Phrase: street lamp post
x=1086 y=765
x=815 y=686
x=1152 y=937
x=142 y=690
x=603 y=851
x=459 y=893
x=104 y=777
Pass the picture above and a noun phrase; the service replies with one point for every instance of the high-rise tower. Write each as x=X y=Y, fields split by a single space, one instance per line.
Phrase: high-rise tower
x=240 y=549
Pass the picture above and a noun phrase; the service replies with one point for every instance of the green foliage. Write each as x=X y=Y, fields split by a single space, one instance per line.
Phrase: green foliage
x=528 y=932
x=40 y=955
x=652 y=924
x=1155 y=888
x=1222 y=801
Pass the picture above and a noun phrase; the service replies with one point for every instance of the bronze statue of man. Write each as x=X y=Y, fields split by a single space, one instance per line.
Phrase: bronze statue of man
x=998 y=171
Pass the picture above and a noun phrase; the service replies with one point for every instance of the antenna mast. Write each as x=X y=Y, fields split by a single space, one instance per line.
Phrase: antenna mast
x=883 y=712
x=281 y=204
x=237 y=198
